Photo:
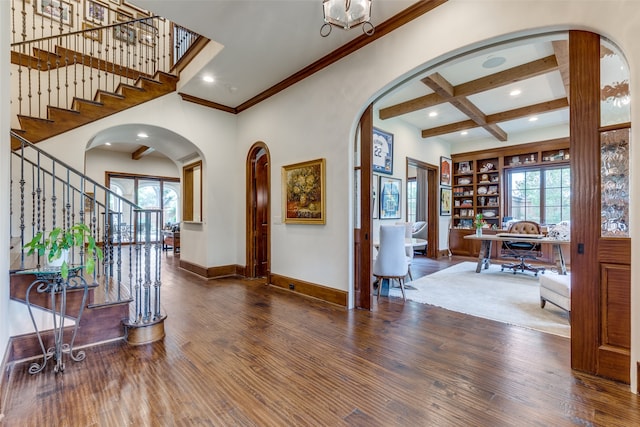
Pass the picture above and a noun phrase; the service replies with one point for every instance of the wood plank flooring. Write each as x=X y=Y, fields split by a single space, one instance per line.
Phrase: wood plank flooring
x=240 y=353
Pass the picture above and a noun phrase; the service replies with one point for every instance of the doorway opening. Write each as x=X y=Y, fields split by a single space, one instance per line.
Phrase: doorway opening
x=258 y=208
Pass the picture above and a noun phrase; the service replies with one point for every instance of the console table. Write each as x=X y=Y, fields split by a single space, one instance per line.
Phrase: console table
x=50 y=281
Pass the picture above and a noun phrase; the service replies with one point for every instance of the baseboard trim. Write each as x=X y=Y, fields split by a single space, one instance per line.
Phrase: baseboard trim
x=213 y=272
x=324 y=293
x=443 y=253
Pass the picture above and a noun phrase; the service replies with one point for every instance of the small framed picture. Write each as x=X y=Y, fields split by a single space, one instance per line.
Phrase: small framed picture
x=464 y=167
x=93 y=34
x=147 y=35
x=390 y=196
x=382 y=151
x=56 y=10
x=94 y=11
x=125 y=33
x=445 y=202
x=123 y=15
x=446 y=168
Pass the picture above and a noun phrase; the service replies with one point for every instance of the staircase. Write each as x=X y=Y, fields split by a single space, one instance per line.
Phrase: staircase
x=64 y=79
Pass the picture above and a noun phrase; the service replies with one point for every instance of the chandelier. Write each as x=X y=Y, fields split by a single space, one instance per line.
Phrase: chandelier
x=346 y=14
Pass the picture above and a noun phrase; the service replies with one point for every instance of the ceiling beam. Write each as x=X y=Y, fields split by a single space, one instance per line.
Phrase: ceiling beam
x=512 y=75
x=141 y=152
x=543 y=107
x=446 y=90
x=561 y=50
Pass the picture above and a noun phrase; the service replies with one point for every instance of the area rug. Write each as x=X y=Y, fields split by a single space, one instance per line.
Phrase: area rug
x=492 y=294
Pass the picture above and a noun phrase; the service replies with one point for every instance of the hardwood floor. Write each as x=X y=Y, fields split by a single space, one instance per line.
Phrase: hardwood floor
x=238 y=352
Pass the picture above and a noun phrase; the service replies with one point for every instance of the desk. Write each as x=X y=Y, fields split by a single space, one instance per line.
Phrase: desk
x=408 y=243
x=488 y=239
x=50 y=281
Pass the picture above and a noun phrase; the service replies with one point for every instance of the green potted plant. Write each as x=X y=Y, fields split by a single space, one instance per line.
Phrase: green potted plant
x=58 y=243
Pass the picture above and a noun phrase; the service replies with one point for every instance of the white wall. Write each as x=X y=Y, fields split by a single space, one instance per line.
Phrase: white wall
x=212 y=243
x=317 y=117
x=408 y=142
x=5 y=147
x=99 y=161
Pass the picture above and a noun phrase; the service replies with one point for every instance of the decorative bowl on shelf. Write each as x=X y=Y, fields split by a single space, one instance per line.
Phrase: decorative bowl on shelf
x=464 y=181
x=489 y=214
x=482 y=190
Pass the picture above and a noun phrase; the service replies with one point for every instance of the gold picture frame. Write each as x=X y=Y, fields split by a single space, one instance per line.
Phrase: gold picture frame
x=95 y=12
x=56 y=10
x=91 y=32
x=125 y=33
x=303 y=192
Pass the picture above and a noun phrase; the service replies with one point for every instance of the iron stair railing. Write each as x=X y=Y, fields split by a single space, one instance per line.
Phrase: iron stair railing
x=47 y=193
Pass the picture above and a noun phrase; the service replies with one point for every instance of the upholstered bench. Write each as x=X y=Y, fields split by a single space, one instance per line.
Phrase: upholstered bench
x=556 y=289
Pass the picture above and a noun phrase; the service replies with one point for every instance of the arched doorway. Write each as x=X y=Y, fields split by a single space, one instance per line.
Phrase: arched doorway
x=600 y=291
x=258 y=209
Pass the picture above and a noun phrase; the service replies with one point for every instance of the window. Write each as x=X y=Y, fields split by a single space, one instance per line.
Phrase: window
x=412 y=195
x=542 y=195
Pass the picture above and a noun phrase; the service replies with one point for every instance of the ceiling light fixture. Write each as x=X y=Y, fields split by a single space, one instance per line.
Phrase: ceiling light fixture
x=107 y=143
x=433 y=114
x=143 y=135
x=208 y=79
x=464 y=132
x=346 y=14
x=515 y=92
x=533 y=119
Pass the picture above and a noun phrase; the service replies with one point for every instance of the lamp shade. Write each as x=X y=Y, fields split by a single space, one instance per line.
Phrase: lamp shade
x=346 y=13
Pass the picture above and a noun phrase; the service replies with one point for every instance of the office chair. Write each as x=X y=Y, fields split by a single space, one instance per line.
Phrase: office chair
x=523 y=250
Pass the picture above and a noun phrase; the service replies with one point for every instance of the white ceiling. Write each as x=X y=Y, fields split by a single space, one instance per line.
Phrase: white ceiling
x=266 y=41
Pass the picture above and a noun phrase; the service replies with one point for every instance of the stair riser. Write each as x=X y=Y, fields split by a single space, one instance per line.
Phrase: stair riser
x=97 y=325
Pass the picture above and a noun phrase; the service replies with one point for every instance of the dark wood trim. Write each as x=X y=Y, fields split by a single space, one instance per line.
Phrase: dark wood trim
x=193 y=51
x=206 y=103
x=141 y=152
x=512 y=150
x=314 y=290
x=616 y=126
x=250 y=233
x=409 y=14
x=363 y=250
x=584 y=64
x=492 y=81
x=433 y=207
x=216 y=272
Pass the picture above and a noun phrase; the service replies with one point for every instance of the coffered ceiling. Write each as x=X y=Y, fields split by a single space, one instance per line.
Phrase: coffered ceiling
x=496 y=93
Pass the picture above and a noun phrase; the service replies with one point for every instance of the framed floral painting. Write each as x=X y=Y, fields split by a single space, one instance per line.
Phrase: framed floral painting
x=303 y=192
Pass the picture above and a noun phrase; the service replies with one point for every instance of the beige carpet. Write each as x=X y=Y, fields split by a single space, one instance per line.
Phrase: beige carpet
x=492 y=294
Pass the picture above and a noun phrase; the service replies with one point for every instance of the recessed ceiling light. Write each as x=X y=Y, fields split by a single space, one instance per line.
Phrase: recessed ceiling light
x=107 y=143
x=464 y=132
x=208 y=79
x=143 y=135
x=515 y=92
x=533 y=119
x=494 y=61
x=433 y=114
